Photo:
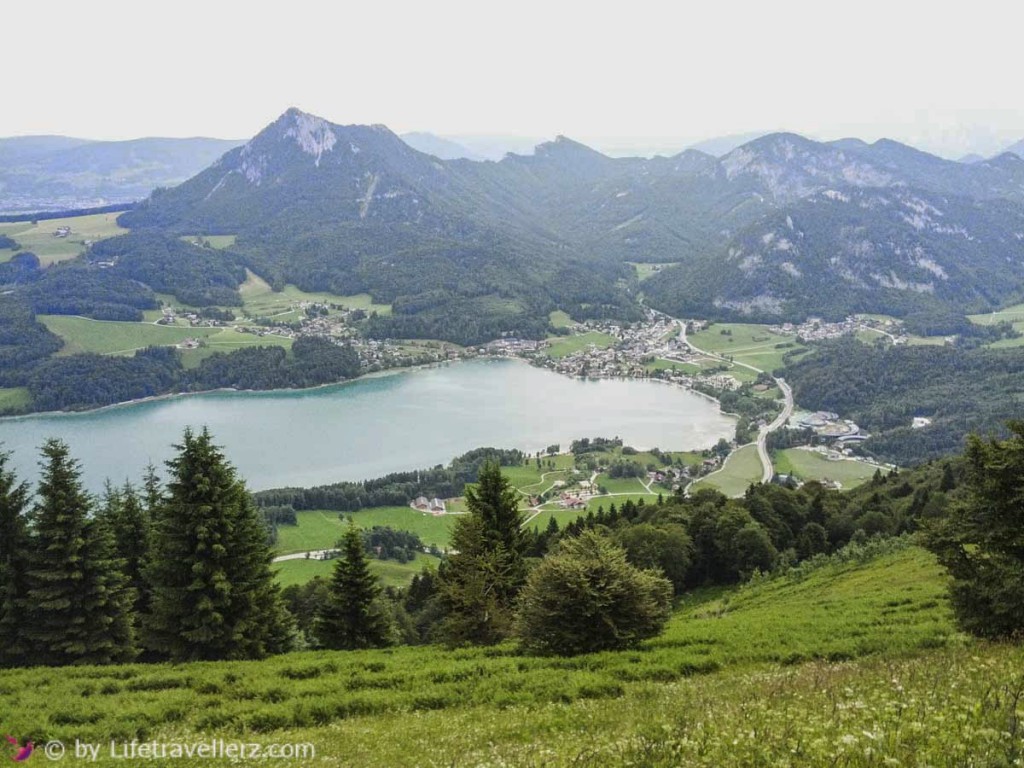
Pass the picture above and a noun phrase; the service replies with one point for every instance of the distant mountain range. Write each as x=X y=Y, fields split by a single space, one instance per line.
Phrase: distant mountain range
x=781 y=227
x=45 y=173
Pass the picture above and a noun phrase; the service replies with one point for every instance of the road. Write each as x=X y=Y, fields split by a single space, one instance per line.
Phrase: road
x=314 y=555
x=768 y=471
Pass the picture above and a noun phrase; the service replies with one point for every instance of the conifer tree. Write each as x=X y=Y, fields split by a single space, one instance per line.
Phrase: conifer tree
x=76 y=602
x=478 y=585
x=351 y=617
x=108 y=597
x=981 y=539
x=213 y=590
x=130 y=524
x=13 y=565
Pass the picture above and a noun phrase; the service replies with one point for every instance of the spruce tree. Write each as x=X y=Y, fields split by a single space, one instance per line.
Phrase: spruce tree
x=479 y=584
x=108 y=597
x=351 y=617
x=213 y=590
x=76 y=602
x=130 y=524
x=981 y=539
x=14 y=545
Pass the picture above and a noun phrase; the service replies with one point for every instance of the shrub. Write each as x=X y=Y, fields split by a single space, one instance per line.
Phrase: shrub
x=586 y=597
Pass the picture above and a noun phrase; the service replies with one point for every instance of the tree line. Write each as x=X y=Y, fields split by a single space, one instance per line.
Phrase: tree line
x=181 y=570
x=78 y=382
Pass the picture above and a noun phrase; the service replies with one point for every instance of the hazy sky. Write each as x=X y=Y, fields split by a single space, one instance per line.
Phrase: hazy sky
x=929 y=72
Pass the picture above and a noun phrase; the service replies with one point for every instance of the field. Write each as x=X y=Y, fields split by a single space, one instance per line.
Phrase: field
x=14 y=399
x=390 y=572
x=80 y=334
x=563 y=346
x=1013 y=315
x=645 y=270
x=745 y=343
x=741 y=468
x=322 y=528
x=217 y=242
x=108 y=337
x=39 y=238
x=559 y=319
x=810 y=465
x=852 y=663
x=259 y=300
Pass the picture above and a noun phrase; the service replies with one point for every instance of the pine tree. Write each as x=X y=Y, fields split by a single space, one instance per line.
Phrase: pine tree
x=351 y=617
x=14 y=546
x=496 y=504
x=213 y=590
x=76 y=603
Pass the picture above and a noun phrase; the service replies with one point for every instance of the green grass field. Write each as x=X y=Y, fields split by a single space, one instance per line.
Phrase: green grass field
x=810 y=465
x=741 y=469
x=621 y=484
x=563 y=346
x=81 y=334
x=645 y=270
x=39 y=238
x=320 y=529
x=559 y=319
x=746 y=343
x=259 y=300
x=217 y=242
x=390 y=572
x=14 y=399
x=1013 y=315
x=850 y=664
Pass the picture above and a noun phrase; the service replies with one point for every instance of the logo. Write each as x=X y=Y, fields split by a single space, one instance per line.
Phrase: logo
x=19 y=754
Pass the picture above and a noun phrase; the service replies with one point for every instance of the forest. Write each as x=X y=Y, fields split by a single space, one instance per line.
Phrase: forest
x=80 y=382
x=882 y=388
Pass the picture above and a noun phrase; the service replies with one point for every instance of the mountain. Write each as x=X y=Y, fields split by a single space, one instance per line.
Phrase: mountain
x=495 y=147
x=971 y=159
x=723 y=145
x=354 y=209
x=39 y=173
x=1017 y=148
x=850 y=227
x=779 y=228
x=438 y=146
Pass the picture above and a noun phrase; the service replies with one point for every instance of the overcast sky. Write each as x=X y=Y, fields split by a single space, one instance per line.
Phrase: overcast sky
x=933 y=73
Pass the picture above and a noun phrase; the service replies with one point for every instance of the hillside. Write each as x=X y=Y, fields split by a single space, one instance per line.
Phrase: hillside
x=781 y=227
x=857 y=652
x=46 y=173
x=353 y=209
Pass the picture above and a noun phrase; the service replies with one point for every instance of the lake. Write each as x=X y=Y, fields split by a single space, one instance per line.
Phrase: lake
x=376 y=425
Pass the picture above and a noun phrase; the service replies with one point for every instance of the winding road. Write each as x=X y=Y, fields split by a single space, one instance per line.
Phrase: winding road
x=768 y=471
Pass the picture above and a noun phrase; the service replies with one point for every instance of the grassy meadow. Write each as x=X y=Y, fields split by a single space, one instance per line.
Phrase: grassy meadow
x=321 y=529
x=260 y=300
x=850 y=661
x=741 y=468
x=645 y=270
x=810 y=465
x=746 y=343
x=38 y=238
x=13 y=399
x=563 y=346
x=218 y=242
x=390 y=572
x=1013 y=315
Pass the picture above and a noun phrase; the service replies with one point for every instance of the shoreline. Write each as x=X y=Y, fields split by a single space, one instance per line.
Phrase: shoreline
x=224 y=390
x=346 y=382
